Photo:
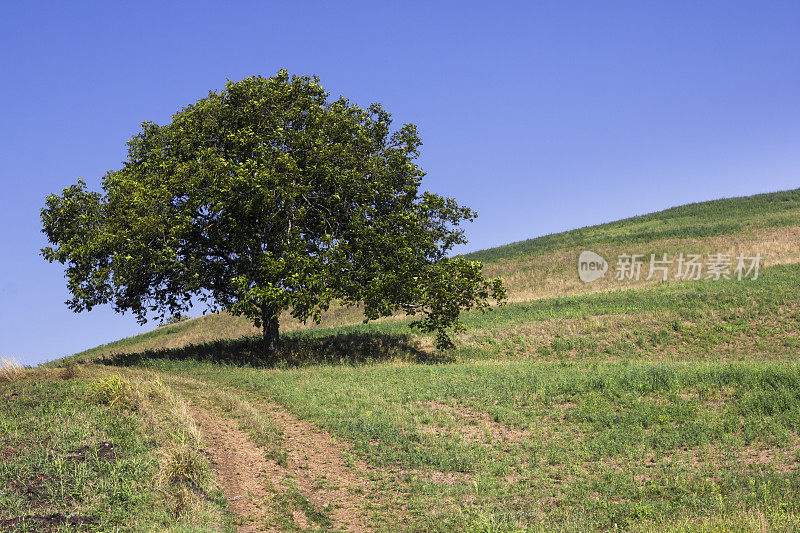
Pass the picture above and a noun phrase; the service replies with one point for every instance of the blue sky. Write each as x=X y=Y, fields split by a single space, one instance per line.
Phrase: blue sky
x=543 y=116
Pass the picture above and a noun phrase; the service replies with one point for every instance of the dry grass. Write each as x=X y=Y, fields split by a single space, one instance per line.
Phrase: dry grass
x=531 y=277
x=183 y=471
x=11 y=369
x=184 y=475
x=553 y=274
x=163 y=406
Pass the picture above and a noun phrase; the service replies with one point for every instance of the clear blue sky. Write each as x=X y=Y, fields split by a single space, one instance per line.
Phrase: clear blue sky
x=543 y=116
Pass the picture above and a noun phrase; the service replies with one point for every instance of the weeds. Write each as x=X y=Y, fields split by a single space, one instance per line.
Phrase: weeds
x=114 y=390
x=184 y=473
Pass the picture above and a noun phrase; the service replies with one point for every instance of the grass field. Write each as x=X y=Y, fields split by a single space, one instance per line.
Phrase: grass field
x=636 y=407
x=519 y=445
x=725 y=319
x=101 y=453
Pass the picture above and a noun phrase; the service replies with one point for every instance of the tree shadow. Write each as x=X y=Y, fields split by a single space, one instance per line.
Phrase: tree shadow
x=342 y=349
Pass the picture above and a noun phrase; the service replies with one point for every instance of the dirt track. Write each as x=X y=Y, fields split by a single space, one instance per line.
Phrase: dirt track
x=315 y=467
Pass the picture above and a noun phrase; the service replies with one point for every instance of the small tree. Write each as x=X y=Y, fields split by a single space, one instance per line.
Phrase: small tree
x=264 y=197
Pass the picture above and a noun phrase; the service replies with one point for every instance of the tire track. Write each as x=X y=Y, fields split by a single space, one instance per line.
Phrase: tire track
x=316 y=481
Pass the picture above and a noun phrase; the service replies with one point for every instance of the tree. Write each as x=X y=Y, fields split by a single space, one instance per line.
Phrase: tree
x=263 y=197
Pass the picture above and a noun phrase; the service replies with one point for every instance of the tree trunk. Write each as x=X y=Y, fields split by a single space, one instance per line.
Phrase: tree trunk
x=270 y=324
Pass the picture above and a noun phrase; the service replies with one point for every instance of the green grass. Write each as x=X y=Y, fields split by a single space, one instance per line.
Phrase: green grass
x=776 y=286
x=724 y=319
x=667 y=407
x=673 y=406
x=571 y=446
x=531 y=273
x=76 y=455
x=691 y=221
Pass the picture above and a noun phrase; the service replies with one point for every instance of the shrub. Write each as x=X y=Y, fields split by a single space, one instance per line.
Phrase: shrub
x=174 y=319
x=181 y=463
x=70 y=371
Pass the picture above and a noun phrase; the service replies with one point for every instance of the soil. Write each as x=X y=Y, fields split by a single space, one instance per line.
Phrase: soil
x=315 y=466
x=240 y=465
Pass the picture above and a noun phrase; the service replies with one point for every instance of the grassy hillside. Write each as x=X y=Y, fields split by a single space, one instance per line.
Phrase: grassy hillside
x=101 y=453
x=691 y=221
x=649 y=406
x=545 y=268
x=522 y=446
x=726 y=319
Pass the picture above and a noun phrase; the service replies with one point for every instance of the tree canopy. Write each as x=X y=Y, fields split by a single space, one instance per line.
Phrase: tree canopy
x=267 y=196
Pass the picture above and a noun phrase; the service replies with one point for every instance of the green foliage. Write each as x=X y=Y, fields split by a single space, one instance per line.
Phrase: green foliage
x=264 y=197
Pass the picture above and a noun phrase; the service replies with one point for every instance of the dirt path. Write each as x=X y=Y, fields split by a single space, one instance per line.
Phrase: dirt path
x=316 y=463
x=241 y=468
x=316 y=479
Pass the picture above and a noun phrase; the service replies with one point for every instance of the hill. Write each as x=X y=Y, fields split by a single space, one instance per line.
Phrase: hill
x=691 y=221
x=622 y=404
x=545 y=267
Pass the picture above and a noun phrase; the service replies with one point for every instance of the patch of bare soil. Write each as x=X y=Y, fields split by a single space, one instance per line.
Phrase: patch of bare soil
x=315 y=466
x=15 y=447
x=32 y=489
x=434 y=476
x=241 y=466
x=105 y=451
x=478 y=425
x=7 y=452
x=783 y=461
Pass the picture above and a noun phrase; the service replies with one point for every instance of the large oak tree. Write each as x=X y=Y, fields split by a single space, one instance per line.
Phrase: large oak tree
x=263 y=197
